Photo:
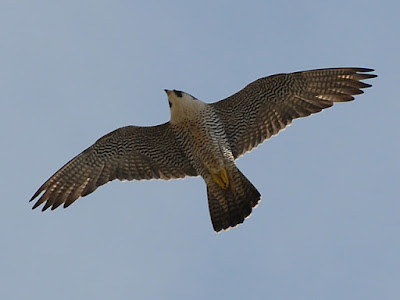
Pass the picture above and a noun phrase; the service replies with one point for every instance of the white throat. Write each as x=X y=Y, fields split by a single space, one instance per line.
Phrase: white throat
x=183 y=106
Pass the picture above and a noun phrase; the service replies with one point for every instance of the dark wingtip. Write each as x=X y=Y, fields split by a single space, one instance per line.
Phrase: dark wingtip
x=366 y=70
x=36 y=194
x=368 y=76
x=40 y=201
x=66 y=204
x=46 y=206
x=36 y=205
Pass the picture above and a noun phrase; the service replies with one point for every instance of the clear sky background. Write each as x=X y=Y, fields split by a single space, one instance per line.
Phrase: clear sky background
x=328 y=223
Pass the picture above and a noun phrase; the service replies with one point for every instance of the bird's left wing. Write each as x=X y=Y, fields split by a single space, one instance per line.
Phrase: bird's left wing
x=127 y=153
x=267 y=105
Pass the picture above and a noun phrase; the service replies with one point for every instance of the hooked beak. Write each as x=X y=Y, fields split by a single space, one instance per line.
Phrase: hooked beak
x=168 y=92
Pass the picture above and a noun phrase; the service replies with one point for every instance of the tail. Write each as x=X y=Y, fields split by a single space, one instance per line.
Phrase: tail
x=230 y=206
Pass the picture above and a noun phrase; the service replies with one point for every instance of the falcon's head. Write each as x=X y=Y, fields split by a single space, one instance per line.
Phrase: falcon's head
x=182 y=105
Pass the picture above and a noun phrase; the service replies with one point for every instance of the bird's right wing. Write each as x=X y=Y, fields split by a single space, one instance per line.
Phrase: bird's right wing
x=127 y=153
x=267 y=105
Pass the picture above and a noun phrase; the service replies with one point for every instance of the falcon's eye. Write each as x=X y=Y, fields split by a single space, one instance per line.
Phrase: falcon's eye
x=178 y=93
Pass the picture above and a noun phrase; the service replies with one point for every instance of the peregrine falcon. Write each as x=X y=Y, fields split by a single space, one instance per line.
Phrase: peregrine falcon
x=205 y=139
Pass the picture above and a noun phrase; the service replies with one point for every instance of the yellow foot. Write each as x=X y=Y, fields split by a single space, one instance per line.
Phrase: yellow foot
x=221 y=179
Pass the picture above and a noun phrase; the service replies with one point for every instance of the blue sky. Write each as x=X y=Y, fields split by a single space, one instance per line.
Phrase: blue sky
x=327 y=226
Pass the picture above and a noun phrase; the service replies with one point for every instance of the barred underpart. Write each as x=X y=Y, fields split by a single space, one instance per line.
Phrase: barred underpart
x=205 y=139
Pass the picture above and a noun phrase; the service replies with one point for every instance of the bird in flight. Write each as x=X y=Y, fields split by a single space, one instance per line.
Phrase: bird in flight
x=205 y=139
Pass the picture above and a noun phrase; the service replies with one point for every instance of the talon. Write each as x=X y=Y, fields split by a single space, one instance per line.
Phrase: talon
x=221 y=179
x=224 y=177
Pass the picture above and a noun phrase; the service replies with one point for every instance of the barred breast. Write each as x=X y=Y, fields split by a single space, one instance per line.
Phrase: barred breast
x=203 y=140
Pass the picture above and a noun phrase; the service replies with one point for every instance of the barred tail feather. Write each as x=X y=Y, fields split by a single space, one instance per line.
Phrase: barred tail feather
x=230 y=207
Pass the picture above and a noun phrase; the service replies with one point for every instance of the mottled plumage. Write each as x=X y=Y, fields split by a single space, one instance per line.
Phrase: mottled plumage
x=205 y=139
